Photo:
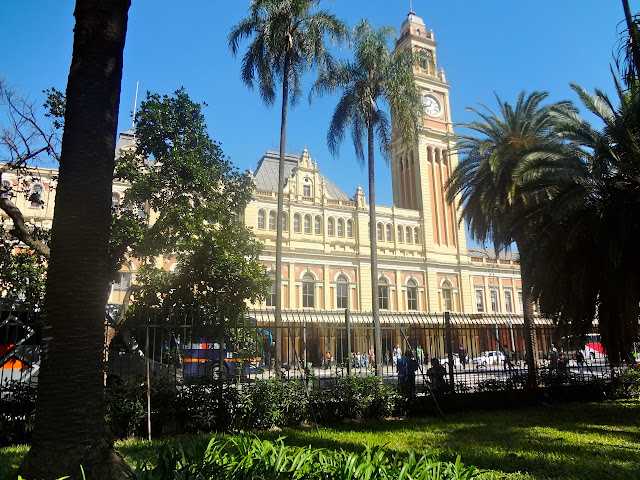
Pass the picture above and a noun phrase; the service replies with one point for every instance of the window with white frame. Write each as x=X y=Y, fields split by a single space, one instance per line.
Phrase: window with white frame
x=479 y=300
x=416 y=236
x=6 y=188
x=306 y=188
x=447 y=304
x=389 y=237
x=272 y=220
x=383 y=294
x=412 y=294
x=317 y=225
x=296 y=223
x=494 y=299
x=115 y=201
x=520 y=301
x=35 y=195
x=342 y=292
x=124 y=282
x=379 y=229
x=308 y=287
x=307 y=224
x=508 y=301
x=330 y=224
x=408 y=235
x=350 y=228
x=271 y=292
x=284 y=222
x=400 y=234
x=340 y=227
x=261 y=215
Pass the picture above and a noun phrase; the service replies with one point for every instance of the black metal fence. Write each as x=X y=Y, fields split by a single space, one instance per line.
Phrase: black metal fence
x=478 y=351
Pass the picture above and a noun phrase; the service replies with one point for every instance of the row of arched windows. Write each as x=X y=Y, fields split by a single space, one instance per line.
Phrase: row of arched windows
x=307 y=223
x=342 y=292
x=404 y=234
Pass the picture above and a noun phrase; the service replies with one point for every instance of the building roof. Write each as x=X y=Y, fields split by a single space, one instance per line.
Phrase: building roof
x=266 y=175
x=490 y=253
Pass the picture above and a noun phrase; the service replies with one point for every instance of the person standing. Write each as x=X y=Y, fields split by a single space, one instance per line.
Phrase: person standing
x=462 y=353
x=419 y=355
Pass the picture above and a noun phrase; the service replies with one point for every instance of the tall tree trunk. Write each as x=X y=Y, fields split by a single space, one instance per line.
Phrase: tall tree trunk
x=531 y=339
x=283 y=141
x=373 y=241
x=70 y=429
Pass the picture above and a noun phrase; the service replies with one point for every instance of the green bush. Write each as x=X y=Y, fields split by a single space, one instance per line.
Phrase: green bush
x=272 y=403
x=627 y=384
x=355 y=397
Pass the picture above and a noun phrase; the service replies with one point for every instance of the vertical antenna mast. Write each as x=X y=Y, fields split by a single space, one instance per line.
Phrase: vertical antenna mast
x=410 y=5
x=135 y=105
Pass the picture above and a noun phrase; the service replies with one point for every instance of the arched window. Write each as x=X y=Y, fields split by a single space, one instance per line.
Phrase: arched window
x=35 y=195
x=115 y=199
x=271 y=293
x=272 y=220
x=308 y=287
x=380 y=232
x=412 y=294
x=383 y=294
x=342 y=292
x=408 y=235
x=261 y=219
x=350 y=228
x=284 y=222
x=141 y=211
x=330 y=224
x=447 y=304
x=389 y=237
x=307 y=224
x=124 y=281
x=296 y=223
x=317 y=225
x=400 y=234
x=340 y=227
x=416 y=236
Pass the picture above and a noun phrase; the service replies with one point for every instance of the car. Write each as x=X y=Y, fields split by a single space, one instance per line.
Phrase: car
x=490 y=357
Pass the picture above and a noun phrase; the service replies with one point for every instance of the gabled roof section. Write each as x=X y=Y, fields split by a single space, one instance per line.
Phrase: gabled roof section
x=489 y=253
x=266 y=175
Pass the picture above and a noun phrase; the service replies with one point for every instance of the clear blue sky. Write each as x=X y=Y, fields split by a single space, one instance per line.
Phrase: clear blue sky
x=504 y=46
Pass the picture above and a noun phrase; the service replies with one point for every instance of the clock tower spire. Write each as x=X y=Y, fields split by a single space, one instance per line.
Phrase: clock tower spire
x=420 y=171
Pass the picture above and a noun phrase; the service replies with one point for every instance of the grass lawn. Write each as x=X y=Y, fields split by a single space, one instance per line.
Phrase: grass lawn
x=568 y=441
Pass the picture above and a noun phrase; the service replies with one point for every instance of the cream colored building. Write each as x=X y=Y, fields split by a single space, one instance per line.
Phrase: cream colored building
x=424 y=263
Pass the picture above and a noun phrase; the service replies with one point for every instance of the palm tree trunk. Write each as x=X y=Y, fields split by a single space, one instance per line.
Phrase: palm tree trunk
x=70 y=428
x=531 y=339
x=283 y=141
x=375 y=307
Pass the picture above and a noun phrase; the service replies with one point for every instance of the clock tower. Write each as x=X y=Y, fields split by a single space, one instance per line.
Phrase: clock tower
x=420 y=171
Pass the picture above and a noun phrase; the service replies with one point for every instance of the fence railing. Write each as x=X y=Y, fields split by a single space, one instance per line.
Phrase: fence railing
x=478 y=351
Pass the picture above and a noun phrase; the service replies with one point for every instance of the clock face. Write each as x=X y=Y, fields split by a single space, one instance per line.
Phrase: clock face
x=431 y=105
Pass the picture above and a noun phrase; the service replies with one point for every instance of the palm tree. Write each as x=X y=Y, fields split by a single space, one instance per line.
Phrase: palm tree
x=287 y=39
x=487 y=182
x=70 y=428
x=375 y=77
x=588 y=230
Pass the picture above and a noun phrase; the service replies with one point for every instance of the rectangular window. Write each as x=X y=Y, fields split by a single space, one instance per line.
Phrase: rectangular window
x=342 y=299
x=271 y=295
x=307 y=294
x=446 y=297
x=383 y=297
x=123 y=283
x=508 y=305
x=307 y=224
x=306 y=190
x=520 y=302
x=494 y=300
x=479 y=301
x=412 y=298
